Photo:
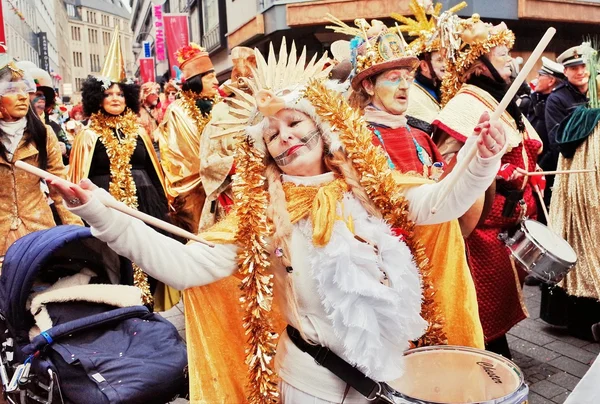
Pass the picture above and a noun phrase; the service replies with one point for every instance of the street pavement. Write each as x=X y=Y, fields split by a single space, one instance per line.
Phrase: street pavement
x=553 y=362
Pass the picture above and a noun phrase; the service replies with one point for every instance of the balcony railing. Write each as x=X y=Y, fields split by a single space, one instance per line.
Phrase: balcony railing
x=212 y=39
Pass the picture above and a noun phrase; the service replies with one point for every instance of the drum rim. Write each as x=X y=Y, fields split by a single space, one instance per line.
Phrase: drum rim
x=462 y=348
x=555 y=258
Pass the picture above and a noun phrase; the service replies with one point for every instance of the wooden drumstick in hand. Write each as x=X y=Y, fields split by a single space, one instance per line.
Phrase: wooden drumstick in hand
x=121 y=207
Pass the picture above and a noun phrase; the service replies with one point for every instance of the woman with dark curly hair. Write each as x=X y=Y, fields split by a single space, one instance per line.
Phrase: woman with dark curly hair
x=116 y=153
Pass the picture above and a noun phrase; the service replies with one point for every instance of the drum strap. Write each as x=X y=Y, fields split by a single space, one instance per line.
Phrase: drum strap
x=369 y=388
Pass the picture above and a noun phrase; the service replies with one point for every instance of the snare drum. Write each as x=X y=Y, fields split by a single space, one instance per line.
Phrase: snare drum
x=453 y=375
x=542 y=253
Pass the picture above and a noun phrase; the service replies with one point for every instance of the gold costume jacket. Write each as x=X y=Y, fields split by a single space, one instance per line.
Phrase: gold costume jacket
x=23 y=206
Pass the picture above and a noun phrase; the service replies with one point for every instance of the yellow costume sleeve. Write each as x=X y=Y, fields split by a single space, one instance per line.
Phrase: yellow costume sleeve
x=56 y=167
x=455 y=293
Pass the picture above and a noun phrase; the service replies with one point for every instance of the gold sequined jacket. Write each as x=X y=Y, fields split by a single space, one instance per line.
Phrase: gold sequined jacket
x=23 y=206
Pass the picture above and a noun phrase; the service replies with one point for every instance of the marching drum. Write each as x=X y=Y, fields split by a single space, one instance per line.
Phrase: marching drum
x=458 y=375
x=541 y=252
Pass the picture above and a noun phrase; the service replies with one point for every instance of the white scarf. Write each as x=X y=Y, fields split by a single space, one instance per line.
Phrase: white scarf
x=13 y=133
x=377 y=116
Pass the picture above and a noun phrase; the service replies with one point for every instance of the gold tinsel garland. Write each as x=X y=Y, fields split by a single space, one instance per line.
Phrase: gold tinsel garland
x=456 y=70
x=119 y=135
x=188 y=99
x=377 y=180
x=251 y=201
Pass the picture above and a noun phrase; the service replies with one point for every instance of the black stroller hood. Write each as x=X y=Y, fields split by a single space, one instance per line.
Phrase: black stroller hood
x=29 y=254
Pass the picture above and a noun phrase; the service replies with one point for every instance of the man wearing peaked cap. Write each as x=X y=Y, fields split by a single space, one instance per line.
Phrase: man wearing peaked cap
x=564 y=98
x=549 y=77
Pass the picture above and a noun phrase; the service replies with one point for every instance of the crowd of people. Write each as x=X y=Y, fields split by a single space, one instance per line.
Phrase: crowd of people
x=334 y=188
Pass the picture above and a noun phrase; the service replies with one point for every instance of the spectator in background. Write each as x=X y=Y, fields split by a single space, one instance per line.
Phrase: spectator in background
x=549 y=77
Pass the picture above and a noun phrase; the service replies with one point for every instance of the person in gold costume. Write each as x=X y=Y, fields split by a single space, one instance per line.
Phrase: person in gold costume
x=179 y=136
x=116 y=154
x=329 y=235
x=23 y=137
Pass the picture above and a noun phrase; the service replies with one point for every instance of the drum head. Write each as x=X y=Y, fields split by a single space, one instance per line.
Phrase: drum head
x=450 y=374
x=550 y=241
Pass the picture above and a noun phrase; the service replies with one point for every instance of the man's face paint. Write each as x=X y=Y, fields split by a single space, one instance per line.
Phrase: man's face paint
x=390 y=91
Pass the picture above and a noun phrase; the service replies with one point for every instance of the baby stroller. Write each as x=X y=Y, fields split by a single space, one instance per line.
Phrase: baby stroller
x=73 y=330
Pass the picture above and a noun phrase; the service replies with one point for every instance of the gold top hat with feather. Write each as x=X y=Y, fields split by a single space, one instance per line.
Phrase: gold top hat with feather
x=422 y=28
x=114 y=64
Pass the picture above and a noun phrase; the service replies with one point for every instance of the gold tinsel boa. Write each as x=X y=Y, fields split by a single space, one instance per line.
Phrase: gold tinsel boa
x=378 y=180
x=251 y=199
x=320 y=202
x=188 y=100
x=119 y=135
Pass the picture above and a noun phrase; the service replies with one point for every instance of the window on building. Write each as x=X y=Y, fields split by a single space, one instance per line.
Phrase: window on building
x=106 y=38
x=76 y=33
x=78 y=83
x=77 y=59
x=106 y=20
x=94 y=63
x=71 y=10
x=93 y=35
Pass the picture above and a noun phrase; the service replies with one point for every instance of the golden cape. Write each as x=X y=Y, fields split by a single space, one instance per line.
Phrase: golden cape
x=179 y=140
x=453 y=284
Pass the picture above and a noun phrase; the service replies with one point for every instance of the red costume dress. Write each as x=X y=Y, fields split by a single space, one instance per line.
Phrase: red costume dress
x=497 y=280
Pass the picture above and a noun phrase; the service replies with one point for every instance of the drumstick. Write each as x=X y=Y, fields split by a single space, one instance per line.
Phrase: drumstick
x=462 y=165
x=539 y=173
x=120 y=206
x=544 y=209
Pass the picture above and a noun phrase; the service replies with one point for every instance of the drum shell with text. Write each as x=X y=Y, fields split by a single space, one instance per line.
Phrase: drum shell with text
x=541 y=252
x=459 y=375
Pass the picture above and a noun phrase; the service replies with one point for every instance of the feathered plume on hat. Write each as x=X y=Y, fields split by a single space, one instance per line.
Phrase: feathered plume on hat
x=193 y=60
x=464 y=41
x=424 y=29
x=374 y=48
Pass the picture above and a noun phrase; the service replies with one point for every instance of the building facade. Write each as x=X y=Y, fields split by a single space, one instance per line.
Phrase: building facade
x=21 y=30
x=90 y=29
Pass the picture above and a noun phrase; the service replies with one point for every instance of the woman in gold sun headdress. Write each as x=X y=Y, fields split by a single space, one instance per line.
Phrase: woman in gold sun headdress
x=321 y=217
x=116 y=153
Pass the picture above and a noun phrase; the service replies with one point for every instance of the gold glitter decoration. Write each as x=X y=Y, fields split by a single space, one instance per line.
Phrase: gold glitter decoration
x=464 y=59
x=377 y=179
x=251 y=201
x=119 y=135
x=422 y=28
x=188 y=99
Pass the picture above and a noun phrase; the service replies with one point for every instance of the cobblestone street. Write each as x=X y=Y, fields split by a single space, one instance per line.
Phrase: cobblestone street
x=552 y=361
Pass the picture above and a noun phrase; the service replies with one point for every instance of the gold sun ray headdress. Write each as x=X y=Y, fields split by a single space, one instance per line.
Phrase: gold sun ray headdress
x=424 y=29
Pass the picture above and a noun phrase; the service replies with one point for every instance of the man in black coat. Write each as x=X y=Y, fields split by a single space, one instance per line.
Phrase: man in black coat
x=565 y=98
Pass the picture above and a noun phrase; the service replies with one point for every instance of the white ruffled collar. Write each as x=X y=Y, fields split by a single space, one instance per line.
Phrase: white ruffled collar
x=312 y=180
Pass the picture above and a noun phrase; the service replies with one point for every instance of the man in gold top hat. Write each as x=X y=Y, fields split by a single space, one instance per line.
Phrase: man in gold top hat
x=179 y=135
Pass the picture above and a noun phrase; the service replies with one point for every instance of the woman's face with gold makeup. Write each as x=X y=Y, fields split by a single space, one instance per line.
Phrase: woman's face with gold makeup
x=295 y=143
x=14 y=102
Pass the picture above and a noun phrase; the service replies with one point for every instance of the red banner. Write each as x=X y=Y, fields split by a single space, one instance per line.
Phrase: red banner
x=147 y=70
x=2 y=33
x=177 y=35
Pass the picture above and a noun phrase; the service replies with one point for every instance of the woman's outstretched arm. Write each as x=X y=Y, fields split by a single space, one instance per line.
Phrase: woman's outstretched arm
x=175 y=264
